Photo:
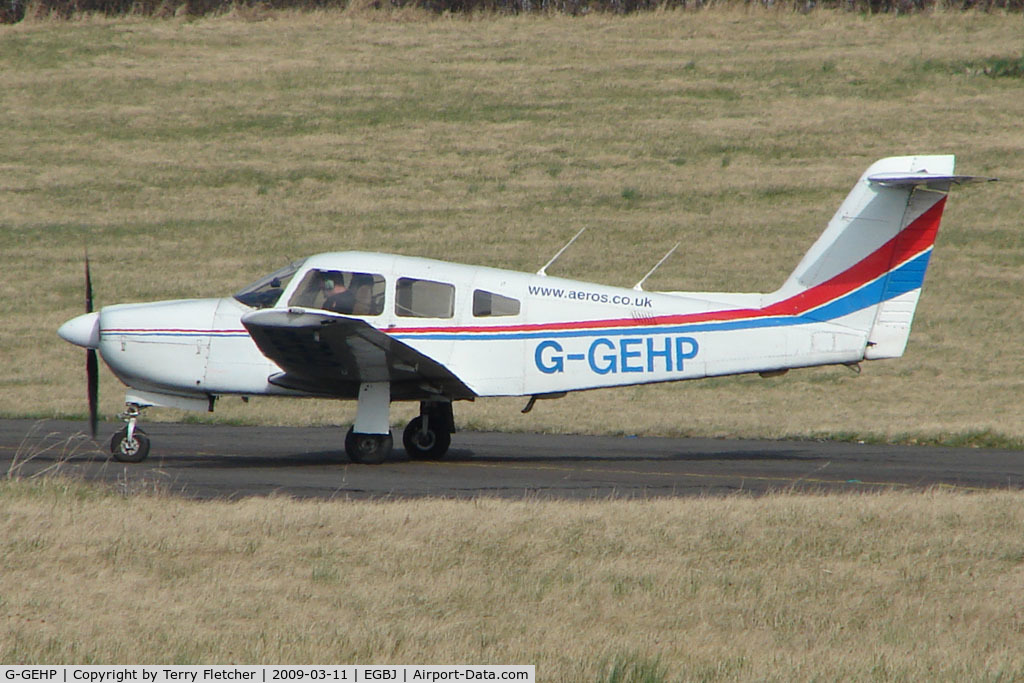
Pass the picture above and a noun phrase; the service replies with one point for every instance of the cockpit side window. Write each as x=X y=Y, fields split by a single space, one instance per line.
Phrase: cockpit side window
x=265 y=292
x=416 y=298
x=341 y=291
x=486 y=304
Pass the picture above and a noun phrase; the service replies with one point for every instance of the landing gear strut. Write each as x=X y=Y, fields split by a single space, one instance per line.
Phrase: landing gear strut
x=428 y=436
x=131 y=443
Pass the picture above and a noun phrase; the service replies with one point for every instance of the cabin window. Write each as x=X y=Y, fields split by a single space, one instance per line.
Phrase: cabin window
x=424 y=299
x=341 y=291
x=490 y=304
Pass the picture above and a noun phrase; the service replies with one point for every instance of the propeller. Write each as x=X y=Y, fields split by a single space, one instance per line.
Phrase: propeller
x=92 y=370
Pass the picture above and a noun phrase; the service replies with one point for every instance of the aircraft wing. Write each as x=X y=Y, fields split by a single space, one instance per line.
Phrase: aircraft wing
x=332 y=354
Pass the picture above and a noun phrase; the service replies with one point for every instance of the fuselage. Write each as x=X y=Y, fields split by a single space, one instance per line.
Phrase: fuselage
x=504 y=333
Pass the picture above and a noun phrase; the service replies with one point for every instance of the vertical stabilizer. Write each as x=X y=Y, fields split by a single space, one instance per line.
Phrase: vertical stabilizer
x=867 y=268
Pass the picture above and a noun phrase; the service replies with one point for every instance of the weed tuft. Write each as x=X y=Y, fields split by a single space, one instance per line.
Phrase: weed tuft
x=999 y=67
x=634 y=668
x=40 y=455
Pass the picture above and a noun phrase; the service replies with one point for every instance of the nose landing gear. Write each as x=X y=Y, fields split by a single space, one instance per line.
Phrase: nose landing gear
x=131 y=443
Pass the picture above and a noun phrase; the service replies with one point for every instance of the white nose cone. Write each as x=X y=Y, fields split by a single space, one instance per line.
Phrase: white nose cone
x=82 y=331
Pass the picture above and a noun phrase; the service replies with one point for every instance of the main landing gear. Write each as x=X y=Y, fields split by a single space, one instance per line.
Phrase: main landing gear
x=369 y=441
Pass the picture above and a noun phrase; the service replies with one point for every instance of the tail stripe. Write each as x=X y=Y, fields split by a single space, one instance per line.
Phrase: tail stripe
x=906 y=278
x=909 y=243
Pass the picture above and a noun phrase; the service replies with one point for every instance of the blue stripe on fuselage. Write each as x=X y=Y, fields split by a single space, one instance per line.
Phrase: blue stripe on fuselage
x=906 y=278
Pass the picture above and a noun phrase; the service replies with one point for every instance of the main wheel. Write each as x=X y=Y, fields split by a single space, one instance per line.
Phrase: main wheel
x=125 y=450
x=367 y=449
x=431 y=444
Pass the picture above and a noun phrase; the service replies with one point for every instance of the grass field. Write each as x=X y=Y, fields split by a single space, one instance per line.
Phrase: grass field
x=191 y=157
x=879 y=587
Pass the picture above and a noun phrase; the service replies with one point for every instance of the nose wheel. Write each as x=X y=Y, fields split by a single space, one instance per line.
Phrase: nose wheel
x=129 y=448
x=131 y=443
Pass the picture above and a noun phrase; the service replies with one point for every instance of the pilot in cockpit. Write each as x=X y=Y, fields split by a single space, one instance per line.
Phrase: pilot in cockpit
x=338 y=297
x=354 y=299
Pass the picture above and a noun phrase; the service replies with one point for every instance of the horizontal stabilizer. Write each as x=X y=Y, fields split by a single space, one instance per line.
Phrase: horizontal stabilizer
x=938 y=181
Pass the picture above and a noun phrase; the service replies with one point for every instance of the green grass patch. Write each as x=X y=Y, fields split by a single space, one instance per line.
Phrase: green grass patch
x=998 y=67
x=633 y=668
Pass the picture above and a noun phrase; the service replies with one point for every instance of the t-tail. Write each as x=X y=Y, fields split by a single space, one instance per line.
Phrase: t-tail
x=866 y=270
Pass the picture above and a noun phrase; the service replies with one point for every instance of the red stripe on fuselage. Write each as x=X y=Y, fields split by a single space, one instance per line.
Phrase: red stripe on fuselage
x=163 y=330
x=909 y=242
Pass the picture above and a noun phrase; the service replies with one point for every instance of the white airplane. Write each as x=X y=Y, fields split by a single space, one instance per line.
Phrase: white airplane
x=379 y=328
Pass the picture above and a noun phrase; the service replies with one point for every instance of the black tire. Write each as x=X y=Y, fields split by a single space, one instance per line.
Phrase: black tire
x=429 y=445
x=135 y=450
x=368 y=449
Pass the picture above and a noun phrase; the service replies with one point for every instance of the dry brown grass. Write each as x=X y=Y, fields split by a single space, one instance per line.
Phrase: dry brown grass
x=866 y=587
x=194 y=156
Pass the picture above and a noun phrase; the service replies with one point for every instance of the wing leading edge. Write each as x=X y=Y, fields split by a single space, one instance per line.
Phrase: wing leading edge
x=330 y=354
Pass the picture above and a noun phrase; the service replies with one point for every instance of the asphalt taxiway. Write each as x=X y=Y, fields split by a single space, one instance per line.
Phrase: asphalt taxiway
x=214 y=461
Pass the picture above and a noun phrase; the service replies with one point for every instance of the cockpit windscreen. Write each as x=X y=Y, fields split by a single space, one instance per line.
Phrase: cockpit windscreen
x=265 y=292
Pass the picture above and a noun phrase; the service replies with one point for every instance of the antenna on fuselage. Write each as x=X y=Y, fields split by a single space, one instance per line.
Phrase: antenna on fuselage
x=544 y=268
x=640 y=285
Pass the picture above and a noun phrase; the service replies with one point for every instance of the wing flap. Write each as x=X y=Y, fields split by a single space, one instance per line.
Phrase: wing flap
x=330 y=353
